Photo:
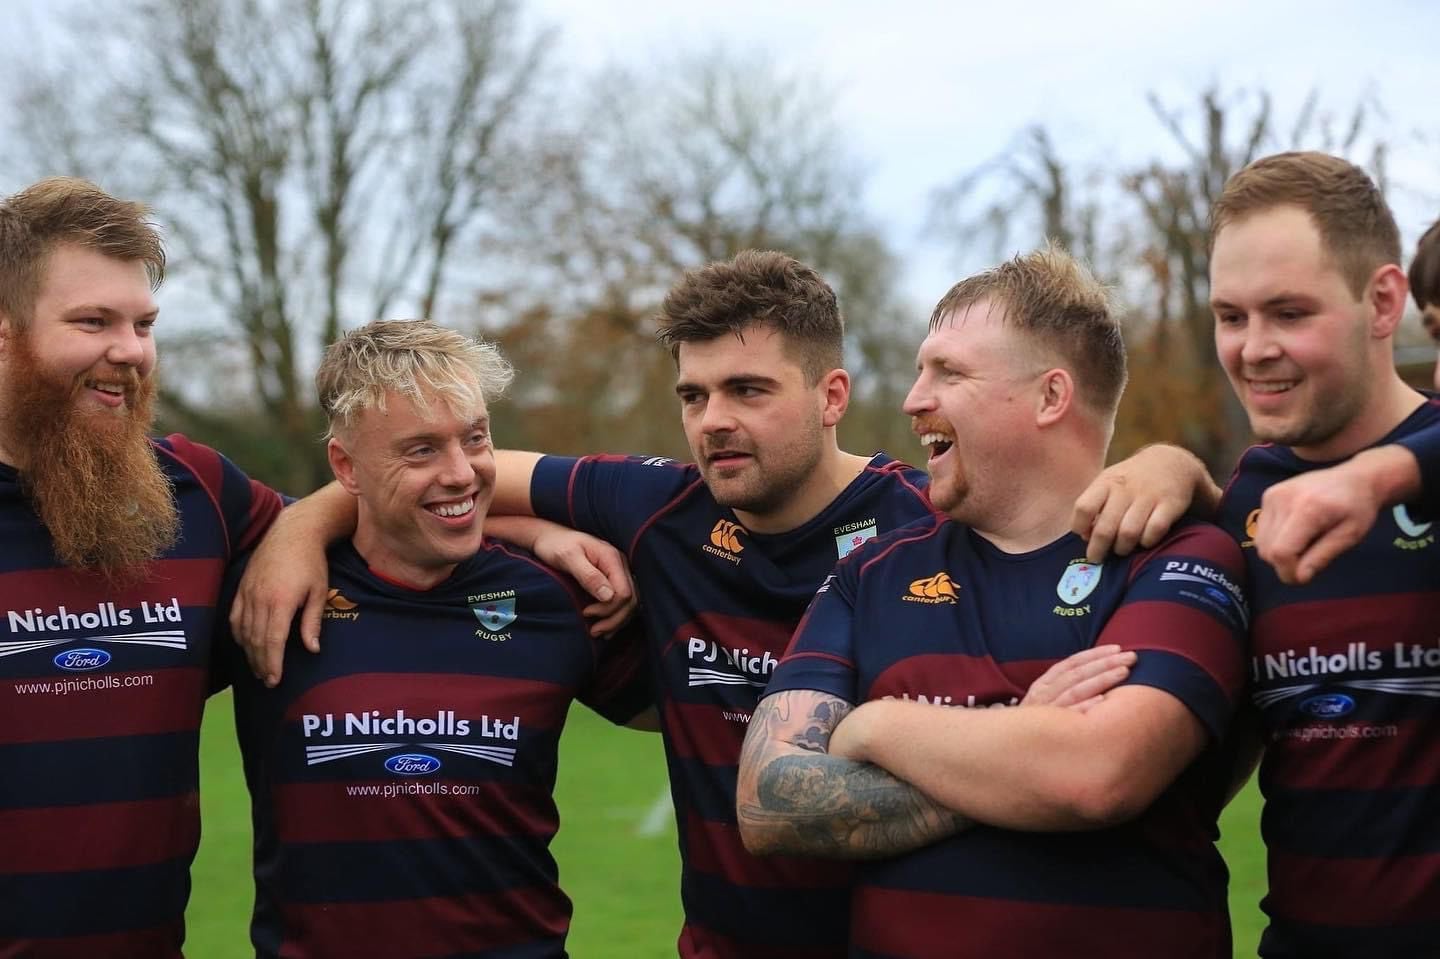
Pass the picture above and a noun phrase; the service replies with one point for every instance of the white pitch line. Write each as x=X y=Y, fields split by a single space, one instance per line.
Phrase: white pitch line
x=660 y=815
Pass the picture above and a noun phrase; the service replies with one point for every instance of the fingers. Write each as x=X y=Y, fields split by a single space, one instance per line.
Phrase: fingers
x=1081 y=677
x=606 y=618
x=1085 y=521
x=310 y=620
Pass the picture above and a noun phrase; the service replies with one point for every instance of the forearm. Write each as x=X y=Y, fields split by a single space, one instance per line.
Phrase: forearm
x=520 y=531
x=1029 y=768
x=1393 y=471
x=813 y=804
x=326 y=515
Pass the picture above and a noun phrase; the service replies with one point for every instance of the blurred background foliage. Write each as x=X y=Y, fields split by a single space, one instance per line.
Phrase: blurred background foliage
x=317 y=164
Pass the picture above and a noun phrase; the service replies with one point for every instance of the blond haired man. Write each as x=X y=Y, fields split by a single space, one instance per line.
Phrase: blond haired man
x=401 y=778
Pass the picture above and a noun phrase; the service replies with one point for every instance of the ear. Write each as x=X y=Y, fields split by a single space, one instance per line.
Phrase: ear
x=342 y=464
x=1056 y=396
x=835 y=387
x=1385 y=295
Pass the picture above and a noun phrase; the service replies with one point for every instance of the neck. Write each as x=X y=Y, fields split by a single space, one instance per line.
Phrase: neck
x=836 y=471
x=1386 y=409
x=1039 y=504
x=387 y=564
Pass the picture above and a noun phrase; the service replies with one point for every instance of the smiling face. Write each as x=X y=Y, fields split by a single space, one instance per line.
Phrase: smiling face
x=424 y=479
x=89 y=340
x=76 y=396
x=1293 y=339
x=755 y=427
x=971 y=408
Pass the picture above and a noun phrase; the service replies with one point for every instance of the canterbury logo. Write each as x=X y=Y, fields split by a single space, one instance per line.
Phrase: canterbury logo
x=1252 y=523
x=933 y=589
x=333 y=600
x=726 y=535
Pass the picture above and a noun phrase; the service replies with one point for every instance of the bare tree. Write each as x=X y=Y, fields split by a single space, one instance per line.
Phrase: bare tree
x=691 y=163
x=315 y=161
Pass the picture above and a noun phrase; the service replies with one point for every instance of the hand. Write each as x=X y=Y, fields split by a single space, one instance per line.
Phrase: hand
x=850 y=738
x=1136 y=501
x=1308 y=520
x=1081 y=681
x=288 y=572
x=598 y=567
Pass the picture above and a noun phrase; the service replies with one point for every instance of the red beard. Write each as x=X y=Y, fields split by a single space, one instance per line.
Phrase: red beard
x=91 y=474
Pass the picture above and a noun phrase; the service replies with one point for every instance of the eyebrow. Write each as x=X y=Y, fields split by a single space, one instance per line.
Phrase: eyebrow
x=106 y=310
x=739 y=379
x=1279 y=299
x=429 y=436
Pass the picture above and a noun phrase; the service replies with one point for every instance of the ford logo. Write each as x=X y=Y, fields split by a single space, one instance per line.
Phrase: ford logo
x=1328 y=705
x=79 y=660
x=412 y=764
x=1217 y=595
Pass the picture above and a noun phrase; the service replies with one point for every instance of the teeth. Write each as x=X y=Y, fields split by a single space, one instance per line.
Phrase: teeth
x=114 y=389
x=1271 y=387
x=931 y=439
x=455 y=509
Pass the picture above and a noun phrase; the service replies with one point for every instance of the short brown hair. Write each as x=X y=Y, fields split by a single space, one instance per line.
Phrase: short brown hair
x=757 y=288
x=1425 y=268
x=1059 y=305
x=1356 y=227
x=61 y=210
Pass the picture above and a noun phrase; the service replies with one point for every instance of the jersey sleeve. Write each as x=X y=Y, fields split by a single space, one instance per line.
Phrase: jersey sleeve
x=611 y=497
x=620 y=688
x=1424 y=443
x=821 y=653
x=246 y=506
x=1185 y=614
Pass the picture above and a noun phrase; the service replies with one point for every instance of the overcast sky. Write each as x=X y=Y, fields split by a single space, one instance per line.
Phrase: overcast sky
x=929 y=90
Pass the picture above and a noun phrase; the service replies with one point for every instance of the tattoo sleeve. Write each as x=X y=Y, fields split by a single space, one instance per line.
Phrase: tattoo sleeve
x=796 y=799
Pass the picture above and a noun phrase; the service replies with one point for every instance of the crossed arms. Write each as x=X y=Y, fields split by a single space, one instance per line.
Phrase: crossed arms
x=813 y=785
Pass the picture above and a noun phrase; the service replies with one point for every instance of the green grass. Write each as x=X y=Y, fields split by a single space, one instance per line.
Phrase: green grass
x=625 y=885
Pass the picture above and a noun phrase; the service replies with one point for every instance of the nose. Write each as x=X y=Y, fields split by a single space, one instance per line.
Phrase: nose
x=455 y=466
x=126 y=346
x=717 y=417
x=1259 y=343
x=919 y=399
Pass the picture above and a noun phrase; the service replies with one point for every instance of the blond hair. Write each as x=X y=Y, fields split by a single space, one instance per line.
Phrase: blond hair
x=416 y=359
x=1049 y=296
x=64 y=210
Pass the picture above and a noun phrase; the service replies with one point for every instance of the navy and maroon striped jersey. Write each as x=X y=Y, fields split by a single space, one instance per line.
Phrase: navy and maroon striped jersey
x=934 y=613
x=1346 y=681
x=101 y=692
x=719 y=603
x=401 y=780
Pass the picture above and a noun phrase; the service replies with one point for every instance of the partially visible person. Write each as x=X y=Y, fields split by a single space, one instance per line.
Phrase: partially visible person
x=1307 y=293
x=727 y=553
x=115 y=546
x=1091 y=830
x=1424 y=279
x=401 y=778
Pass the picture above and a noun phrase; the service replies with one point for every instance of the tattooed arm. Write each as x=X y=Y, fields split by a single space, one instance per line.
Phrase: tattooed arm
x=795 y=799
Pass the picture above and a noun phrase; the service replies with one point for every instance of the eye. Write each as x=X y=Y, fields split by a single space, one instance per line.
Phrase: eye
x=145 y=326
x=478 y=438
x=748 y=392
x=91 y=321
x=690 y=399
x=419 y=452
x=1228 y=318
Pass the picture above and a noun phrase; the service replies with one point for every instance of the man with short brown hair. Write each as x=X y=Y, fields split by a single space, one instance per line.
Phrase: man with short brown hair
x=1335 y=523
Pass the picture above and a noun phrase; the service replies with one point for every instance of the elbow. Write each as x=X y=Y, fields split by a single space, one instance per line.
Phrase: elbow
x=1107 y=797
x=760 y=838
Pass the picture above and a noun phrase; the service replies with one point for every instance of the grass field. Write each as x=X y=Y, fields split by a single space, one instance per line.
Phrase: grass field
x=617 y=856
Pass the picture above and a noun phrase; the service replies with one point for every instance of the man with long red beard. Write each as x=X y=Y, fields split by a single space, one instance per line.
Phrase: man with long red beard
x=115 y=546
